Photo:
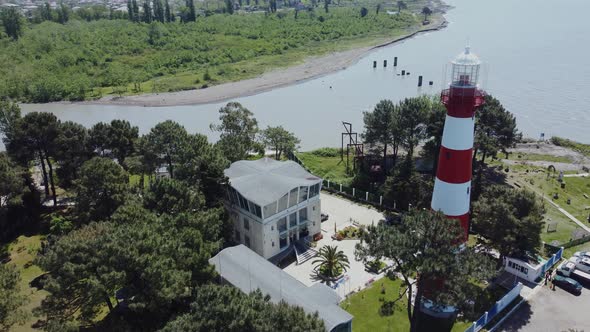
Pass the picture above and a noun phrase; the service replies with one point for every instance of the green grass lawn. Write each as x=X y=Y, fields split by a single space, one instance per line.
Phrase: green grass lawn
x=327 y=167
x=575 y=188
x=23 y=251
x=365 y=307
x=535 y=178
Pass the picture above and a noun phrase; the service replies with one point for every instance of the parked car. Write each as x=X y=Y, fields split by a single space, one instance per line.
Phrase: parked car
x=582 y=264
x=582 y=254
x=567 y=284
x=324 y=217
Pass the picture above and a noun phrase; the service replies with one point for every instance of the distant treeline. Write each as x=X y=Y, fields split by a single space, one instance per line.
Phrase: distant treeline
x=79 y=60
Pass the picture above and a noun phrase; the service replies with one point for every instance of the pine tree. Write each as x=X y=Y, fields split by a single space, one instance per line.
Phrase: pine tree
x=167 y=12
x=159 y=11
x=130 y=10
x=192 y=16
x=147 y=12
x=135 y=11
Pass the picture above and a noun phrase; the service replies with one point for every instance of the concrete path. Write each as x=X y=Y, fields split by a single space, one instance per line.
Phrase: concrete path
x=581 y=175
x=559 y=208
x=569 y=215
x=341 y=213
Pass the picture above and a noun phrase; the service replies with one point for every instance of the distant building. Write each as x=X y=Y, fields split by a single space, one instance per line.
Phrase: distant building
x=272 y=204
x=247 y=271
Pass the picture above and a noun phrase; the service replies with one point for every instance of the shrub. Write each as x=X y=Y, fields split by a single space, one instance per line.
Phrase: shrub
x=326 y=152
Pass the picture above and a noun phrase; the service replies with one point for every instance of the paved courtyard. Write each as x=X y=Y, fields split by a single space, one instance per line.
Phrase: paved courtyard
x=341 y=213
x=551 y=311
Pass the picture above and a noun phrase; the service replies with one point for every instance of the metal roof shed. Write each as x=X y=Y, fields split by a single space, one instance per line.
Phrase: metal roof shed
x=248 y=271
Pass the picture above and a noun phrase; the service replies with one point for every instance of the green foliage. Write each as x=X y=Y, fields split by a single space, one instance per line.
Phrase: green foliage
x=101 y=188
x=11 y=298
x=238 y=130
x=510 y=221
x=321 y=163
x=155 y=261
x=165 y=143
x=326 y=152
x=330 y=262
x=407 y=187
x=11 y=181
x=426 y=244
x=60 y=225
x=79 y=60
x=171 y=196
x=33 y=138
x=71 y=151
x=202 y=165
x=279 y=140
x=364 y=11
x=391 y=126
x=12 y=21
x=227 y=309
x=495 y=131
x=116 y=139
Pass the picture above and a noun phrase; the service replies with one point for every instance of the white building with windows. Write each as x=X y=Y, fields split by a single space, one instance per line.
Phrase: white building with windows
x=272 y=204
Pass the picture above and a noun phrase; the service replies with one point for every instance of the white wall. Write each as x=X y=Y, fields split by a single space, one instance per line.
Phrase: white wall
x=264 y=233
x=522 y=269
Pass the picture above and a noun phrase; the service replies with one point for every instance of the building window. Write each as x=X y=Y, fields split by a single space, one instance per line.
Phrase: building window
x=273 y=243
x=283 y=202
x=283 y=241
x=282 y=224
x=270 y=209
x=238 y=237
x=247 y=241
x=246 y=224
x=302 y=215
x=258 y=211
x=314 y=190
x=292 y=220
x=293 y=197
x=303 y=194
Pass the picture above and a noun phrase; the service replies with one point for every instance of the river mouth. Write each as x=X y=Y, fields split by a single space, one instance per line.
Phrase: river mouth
x=538 y=71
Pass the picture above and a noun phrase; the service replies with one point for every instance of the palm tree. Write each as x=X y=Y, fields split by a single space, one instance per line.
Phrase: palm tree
x=401 y=5
x=330 y=262
x=426 y=11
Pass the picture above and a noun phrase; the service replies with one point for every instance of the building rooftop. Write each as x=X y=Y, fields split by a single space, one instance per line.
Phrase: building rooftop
x=266 y=180
x=248 y=271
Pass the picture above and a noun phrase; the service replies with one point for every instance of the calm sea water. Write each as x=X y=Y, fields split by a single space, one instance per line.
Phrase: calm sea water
x=536 y=53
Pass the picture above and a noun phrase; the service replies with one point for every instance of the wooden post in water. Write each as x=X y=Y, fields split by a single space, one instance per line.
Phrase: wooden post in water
x=384 y=63
x=403 y=72
x=419 y=80
x=395 y=62
x=374 y=64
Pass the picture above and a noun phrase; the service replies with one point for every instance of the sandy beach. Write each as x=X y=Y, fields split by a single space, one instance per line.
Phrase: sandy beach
x=312 y=67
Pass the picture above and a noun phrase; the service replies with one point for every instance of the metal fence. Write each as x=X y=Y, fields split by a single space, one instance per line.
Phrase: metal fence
x=510 y=296
x=489 y=315
x=554 y=259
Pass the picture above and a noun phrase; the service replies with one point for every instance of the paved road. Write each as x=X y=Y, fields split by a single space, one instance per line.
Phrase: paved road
x=551 y=311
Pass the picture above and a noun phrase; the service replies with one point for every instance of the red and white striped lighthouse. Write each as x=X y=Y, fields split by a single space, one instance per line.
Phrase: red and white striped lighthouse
x=452 y=186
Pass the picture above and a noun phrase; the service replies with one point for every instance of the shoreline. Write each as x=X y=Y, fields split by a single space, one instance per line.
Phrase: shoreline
x=311 y=68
